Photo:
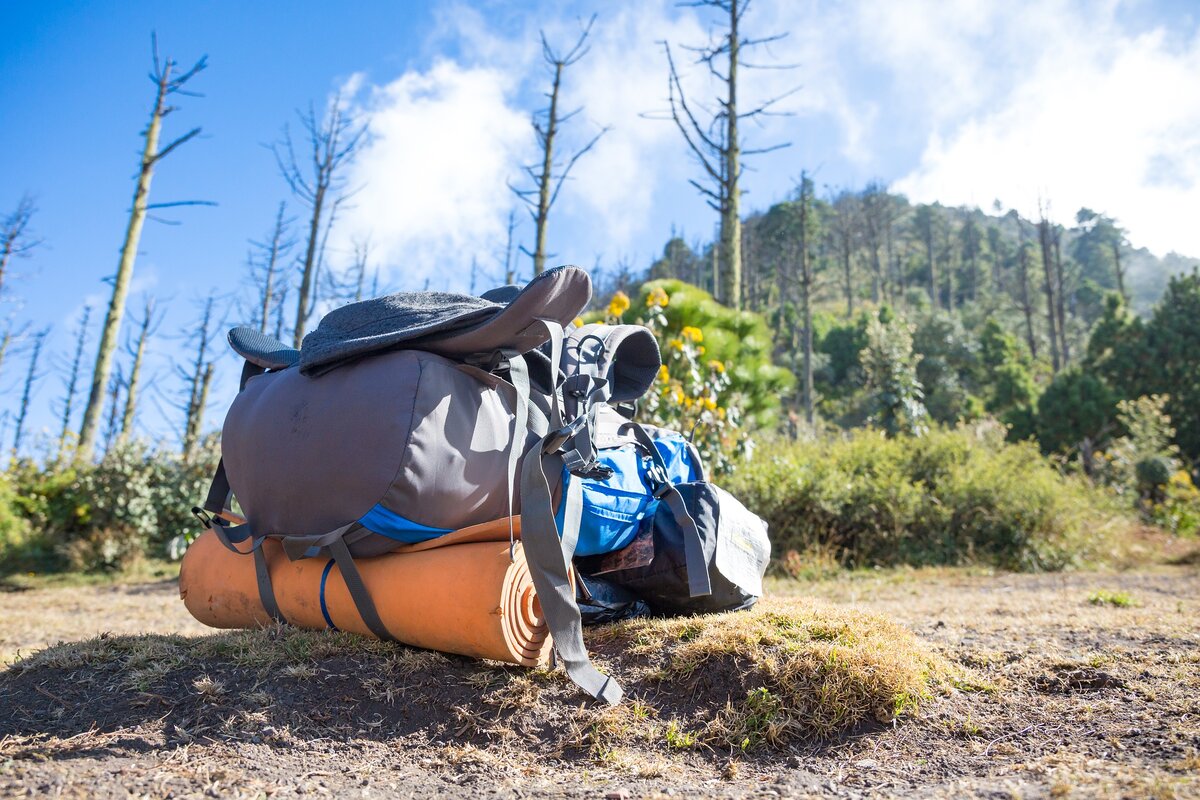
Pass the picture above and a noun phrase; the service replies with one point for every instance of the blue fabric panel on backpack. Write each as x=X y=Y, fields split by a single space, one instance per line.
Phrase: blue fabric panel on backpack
x=613 y=507
x=392 y=525
x=324 y=608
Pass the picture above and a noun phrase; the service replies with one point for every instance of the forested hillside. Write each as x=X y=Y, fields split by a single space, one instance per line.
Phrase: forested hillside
x=1005 y=314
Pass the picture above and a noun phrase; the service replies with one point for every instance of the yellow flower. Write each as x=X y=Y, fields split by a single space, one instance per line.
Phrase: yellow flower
x=694 y=334
x=657 y=297
x=1182 y=478
x=577 y=322
x=701 y=350
x=678 y=397
x=675 y=344
x=618 y=305
x=716 y=366
x=710 y=404
x=663 y=375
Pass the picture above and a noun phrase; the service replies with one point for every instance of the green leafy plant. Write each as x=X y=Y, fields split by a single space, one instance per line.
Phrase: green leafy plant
x=954 y=496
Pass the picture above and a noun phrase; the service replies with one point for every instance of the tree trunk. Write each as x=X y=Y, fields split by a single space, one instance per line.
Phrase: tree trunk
x=934 y=300
x=543 y=208
x=1116 y=251
x=30 y=378
x=5 y=341
x=1026 y=301
x=1048 y=285
x=135 y=373
x=509 y=277
x=806 y=278
x=308 y=276
x=848 y=276
x=876 y=275
x=114 y=400
x=116 y=306
x=731 y=225
x=272 y=260
x=73 y=380
x=195 y=422
x=1060 y=299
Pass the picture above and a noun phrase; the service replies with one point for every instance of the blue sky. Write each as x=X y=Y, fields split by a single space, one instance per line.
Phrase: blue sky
x=967 y=102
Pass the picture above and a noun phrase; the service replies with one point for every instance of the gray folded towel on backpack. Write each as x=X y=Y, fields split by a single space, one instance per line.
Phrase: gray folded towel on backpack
x=450 y=324
x=384 y=322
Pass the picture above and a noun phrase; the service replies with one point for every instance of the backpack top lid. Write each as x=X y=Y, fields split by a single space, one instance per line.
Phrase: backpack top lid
x=449 y=324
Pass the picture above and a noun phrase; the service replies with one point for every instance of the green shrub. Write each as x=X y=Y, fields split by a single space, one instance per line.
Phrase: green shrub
x=104 y=516
x=15 y=540
x=954 y=496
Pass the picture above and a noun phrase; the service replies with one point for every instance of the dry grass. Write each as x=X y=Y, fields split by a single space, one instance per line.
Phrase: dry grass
x=790 y=670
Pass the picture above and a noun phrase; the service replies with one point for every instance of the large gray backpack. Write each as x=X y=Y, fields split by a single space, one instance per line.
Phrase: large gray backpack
x=409 y=416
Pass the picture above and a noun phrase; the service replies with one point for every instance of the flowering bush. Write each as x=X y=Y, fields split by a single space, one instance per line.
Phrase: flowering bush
x=1178 y=510
x=711 y=356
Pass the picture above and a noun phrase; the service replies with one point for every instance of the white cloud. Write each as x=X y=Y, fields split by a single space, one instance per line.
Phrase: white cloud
x=433 y=175
x=446 y=139
x=1101 y=118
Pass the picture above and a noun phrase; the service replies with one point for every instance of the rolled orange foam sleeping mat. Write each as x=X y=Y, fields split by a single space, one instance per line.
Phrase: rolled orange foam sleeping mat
x=460 y=593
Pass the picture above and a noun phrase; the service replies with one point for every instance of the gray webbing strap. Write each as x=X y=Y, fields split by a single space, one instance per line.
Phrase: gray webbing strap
x=298 y=547
x=234 y=535
x=693 y=549
x=358 y=589
x=518 y=375
x=549 y=559
x=556 y=344
x=266 y=593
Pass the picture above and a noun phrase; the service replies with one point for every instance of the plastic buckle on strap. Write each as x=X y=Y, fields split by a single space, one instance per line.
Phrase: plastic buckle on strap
x=556 y=439
x=202 y=515
x=660 y=482
x=573 y=461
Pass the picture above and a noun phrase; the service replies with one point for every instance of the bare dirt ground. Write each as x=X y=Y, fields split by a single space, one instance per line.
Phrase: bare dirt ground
x=1085 y=699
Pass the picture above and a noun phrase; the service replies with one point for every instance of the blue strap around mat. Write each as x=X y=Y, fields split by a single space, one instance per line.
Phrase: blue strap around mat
x=324 y=608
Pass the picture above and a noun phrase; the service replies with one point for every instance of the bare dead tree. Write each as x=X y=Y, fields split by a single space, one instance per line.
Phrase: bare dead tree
x=16 y=240
x=198 y=378
x=362 y=256
x=1025 y=299
x=114 y=406
x=1120 y=272
x=926 y=223
x=72 y=384
x=280 y=321
x=844 y=229
x=1044 y=239
x=147 y=325
x=716 y=142
x=509 y=277
x=167 y=85
x=549 y=175
x=333 y=140
x=7 y=339
x=808 y=286
x=1060 y=295
x=877 y=215
x=31 y=378
x=266 y=264
x=952 y=262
